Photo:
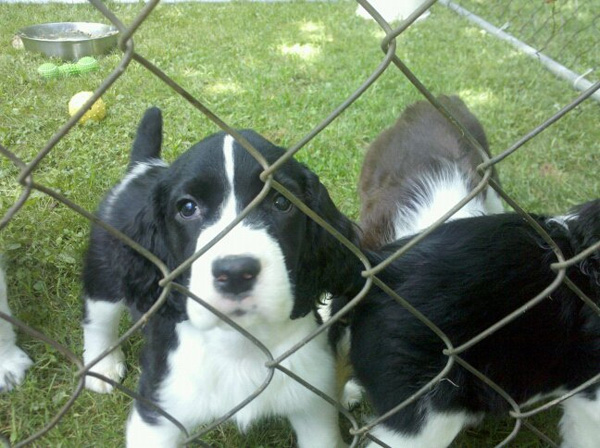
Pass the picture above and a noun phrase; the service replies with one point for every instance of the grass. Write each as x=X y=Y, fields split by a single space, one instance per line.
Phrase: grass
x=277 y=68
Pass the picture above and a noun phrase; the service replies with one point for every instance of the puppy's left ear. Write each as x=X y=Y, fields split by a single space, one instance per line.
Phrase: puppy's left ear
x=585 y=231
x=326 y=265
x=141 y=275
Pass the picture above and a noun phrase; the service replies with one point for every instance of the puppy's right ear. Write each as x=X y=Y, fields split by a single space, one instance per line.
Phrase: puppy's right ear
x=148 y=140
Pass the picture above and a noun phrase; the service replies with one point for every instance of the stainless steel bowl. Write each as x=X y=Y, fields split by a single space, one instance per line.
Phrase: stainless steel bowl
x=69 y=40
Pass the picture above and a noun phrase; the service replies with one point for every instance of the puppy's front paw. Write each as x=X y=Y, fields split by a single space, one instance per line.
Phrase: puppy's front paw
x=14 y=362
x=111 y=366
x=352 y=395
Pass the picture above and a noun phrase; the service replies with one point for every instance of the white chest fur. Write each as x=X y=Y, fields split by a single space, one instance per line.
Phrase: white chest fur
x=211 y=372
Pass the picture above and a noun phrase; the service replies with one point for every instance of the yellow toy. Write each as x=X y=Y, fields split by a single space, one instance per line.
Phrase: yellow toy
x=96 y=113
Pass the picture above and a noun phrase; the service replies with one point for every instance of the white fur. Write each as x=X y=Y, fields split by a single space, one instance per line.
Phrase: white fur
x=438 y=195
x=581 y=419
x=13 y=361
x=271 y=298
x=439 y=431
x=492 y=203
x=228 y=142
x=212 y=371
x=100 y=331
x=352 y=394
x=580 y=423
x=563 y=220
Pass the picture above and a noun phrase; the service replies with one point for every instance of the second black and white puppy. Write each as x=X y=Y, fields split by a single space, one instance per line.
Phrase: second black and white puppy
x=266 y=274
x=465 y=276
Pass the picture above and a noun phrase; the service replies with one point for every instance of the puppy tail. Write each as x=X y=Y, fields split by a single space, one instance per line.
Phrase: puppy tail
x=148 y=141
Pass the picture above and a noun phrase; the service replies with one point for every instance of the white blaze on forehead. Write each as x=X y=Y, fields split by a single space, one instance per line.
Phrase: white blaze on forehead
x=228 y=156
x=229 y=207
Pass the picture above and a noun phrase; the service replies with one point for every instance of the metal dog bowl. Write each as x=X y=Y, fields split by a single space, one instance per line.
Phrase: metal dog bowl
x=69 y=40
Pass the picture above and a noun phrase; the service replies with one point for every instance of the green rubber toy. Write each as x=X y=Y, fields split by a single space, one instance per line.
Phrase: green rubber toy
x=68 y=69
x=87 y=64
x=48 y=71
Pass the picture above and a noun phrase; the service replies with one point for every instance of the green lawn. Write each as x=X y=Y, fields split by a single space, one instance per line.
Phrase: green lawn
x=280 y=69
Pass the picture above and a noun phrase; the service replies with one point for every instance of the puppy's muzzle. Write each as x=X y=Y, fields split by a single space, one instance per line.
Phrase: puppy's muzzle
x=235 y=275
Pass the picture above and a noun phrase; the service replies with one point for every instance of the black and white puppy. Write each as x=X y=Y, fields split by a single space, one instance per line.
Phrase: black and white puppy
x=465 y=276
x=13 y=361
x=418 y=169
x=266 y=274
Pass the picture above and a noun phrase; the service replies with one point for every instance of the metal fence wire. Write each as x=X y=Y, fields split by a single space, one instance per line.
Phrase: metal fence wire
x=550 y=26
x=549 y=31
x=390 y=61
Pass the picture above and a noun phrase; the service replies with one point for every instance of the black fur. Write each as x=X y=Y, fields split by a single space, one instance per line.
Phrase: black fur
x=148 y=142
x=465 y=276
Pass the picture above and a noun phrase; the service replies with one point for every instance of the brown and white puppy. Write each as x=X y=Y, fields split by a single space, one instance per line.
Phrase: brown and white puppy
x=413 y=173
x=418 y=169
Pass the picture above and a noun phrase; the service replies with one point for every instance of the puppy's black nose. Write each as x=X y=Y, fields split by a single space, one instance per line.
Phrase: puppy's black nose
x=235 y=275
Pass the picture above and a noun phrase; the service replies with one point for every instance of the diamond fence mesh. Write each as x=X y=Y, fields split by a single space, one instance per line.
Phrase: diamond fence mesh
x=390 y=60
x=551 y=27
x=562 y=36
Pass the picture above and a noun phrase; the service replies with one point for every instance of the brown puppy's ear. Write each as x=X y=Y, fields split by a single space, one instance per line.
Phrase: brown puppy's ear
x=148 y=140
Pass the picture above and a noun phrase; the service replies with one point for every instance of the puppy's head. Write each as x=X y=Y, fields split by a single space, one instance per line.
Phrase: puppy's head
x=271 y=266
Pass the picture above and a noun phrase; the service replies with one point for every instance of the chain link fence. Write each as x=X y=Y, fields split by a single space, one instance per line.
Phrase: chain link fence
x=551 y=27
x=562 y=35
x=390 y=61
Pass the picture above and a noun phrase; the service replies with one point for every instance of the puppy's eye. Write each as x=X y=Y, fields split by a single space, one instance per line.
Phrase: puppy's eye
x=188 y=209
x=281 y=203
